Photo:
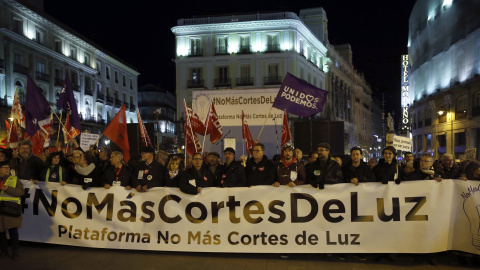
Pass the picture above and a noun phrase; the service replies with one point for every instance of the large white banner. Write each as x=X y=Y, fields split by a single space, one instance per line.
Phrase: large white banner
x=256 y=103
x=413 y=217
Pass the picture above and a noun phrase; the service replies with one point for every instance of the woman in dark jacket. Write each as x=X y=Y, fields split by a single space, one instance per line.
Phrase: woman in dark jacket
x=85 y=173
x=173 y=172
x=197 y=177
x=54 y=172
x=388 y=169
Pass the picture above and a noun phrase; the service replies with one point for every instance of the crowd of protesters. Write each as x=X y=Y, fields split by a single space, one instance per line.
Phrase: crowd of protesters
x=105 y=168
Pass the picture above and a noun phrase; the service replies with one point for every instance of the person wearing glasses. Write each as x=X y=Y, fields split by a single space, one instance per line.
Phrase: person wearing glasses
x=11 y=189
x=197 y=177
x=324 y=170
x=233 y=172
x=425 y=172
x=119 y=174
x=260 y=170
x=29 y=166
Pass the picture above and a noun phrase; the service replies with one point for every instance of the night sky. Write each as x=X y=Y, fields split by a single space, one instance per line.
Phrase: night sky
x=140 y=34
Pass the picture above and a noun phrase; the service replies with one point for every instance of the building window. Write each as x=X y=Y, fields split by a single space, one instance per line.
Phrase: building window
x=420 y=119
x=41 y=72
x=245 y=78
x=18 y=26
x=272 y=78
x=131 y=84
x=196 y=79
x=428 y=116
x=442 y=113
x=73 y=52
x=272 y=43
x=460 y=143
x=222 y=77
x=116 y=76
x=18 y=59
x=428 y=138
x=476 y=105
x=58 y=45
x=461 y=108
x=86 y=60
x=99 y=68
x=244 y=46
x=124 y=80
x=39 y=36
x=195 y=47
x=108 y=73
x=222 y=45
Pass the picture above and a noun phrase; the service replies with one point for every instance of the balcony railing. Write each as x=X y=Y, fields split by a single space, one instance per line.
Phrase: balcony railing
x=460 y=114
x=226 y=82
x=76 y=87
x=243 y=49
x=272 y=80
x=132 y=107
x=244 y=81
x=20 y=69
x=195 y=52
x=88 y=92
x=118 y=103
x=127 y=105
x=42 y=76
x=272 y=48
x=221 y=50
x=198 y=83
x=110 y=101
x=59 y=82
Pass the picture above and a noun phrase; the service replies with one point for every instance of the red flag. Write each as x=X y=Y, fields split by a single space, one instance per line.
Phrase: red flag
x=14 y=134
x=286 y=135
x=41 y=138
x=17 y=112
x=192 y=145
x=213 y=125
x=143 y=132
x=197 y=125
x=69 y=131
x=116 y=131
x=246 y=135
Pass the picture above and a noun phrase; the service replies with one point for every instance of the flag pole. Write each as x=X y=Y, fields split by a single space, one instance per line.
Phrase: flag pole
x=59 y=121
x=264 y=122
x=208 y=122
x=56 y=115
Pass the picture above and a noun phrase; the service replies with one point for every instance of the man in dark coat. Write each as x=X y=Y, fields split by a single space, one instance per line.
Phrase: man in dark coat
x=215 y=168
x=447 y=169
x=324 y=170
x=119 y=174
x=356 y=171
x=149 y=172
x=425 y=172
x=289 y=171
x=196 y=177
x=29 y=166
x=259 y=169
x=233 y=172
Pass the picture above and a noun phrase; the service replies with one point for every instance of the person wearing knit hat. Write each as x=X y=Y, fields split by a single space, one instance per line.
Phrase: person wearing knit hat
x=232 y=172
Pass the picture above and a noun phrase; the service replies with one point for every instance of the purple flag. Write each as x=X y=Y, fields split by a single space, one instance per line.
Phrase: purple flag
x=36 y=107
x=299 y=97
x=66 y=101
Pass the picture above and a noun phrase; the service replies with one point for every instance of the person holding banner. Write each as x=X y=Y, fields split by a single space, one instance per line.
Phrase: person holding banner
x=357 y=171
x=119 y=174
x=446 y=169
x=54 y=172
x=233 y=172
x=387 y=168
x=214 y=166
x=196 y=178
x=149 y=172
x=425 y=172
x=324 y=170
x=29 y=166
x=85 y=173
x=11 y=190
x=173 y=172
x=260 y=170
x=289 y=171
x=104 y=163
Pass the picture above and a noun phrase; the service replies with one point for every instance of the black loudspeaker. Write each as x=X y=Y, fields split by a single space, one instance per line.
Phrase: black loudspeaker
x=309 y=134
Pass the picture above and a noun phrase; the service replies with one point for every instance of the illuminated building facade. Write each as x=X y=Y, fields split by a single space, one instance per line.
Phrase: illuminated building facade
x=255 y=51
x=31 y=42
x=444 y=51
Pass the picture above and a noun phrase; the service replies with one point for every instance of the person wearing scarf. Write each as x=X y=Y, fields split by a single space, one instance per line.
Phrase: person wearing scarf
x=119 y=174
x=85 y=173
x=54 y=172
x=173 y=172
x=290 y=172
x=425 y=172
x=11 y=189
